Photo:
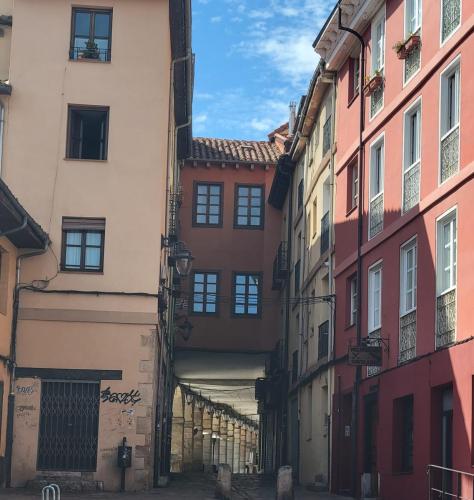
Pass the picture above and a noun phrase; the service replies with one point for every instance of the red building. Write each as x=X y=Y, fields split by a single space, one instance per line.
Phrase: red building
x=233 y=233
x=408 y=188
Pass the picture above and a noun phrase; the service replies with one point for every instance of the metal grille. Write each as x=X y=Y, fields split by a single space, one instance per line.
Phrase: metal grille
x=407 y=337
x=446 y=319
x=412 y=62
x=376 y=216
x=175 y=200
x=450 y=154
x=376 y=100
x=374 y=337
x=411 y=187
x=69 y=423
x=451 y=16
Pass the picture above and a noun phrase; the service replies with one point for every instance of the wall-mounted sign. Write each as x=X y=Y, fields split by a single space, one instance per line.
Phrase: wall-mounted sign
x=365 y=355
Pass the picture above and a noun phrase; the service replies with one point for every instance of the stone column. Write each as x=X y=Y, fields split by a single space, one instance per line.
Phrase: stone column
x=216 y=423
x=230 y=444
x=243 y=448
x=223 y=441
x=248 y=447
x=198 y=439
x=254 y=445
x=206 y=440
x=236 y=464
x=188 y=436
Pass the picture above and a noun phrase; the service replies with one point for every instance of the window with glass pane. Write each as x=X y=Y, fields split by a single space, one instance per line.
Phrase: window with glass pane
x=205 y=293
x=376 y=207
x=378 y=38
x=353 y=301
x=411 y=167
x=91 y=34
x=412 y=17
x=247 y=290
x=83 y=250
x=354 y=185
x=87 y=133
x=208 y=204
x=249 y=206
x=375 y=298
x=408 y=278
x=447 y=253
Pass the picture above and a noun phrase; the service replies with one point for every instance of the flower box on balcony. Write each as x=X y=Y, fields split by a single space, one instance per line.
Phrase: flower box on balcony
x=403 y=49
x=373 y=83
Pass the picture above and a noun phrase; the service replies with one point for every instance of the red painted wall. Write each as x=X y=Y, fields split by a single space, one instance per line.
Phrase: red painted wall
x=226 y=250
x=429 y=370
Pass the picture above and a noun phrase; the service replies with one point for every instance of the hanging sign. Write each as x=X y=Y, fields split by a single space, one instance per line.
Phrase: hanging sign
x=365 y=355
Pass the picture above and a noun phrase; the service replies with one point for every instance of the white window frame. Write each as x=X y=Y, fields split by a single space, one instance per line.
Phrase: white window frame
x=447 y=218
x=453 y=68
x=415 y=6
x=380 y=141
x=441 y=41
x=353 y=301
x=379 y=19
x=372 y=325
x=405 y=286
x=354 y=178
x=416 y=107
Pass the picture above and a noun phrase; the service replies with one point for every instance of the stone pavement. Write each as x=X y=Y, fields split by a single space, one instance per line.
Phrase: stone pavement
x=186 y=487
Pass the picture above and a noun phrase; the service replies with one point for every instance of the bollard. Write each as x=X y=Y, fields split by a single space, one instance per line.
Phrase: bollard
x=58 y=490
x=285 y=483
x=224 y=482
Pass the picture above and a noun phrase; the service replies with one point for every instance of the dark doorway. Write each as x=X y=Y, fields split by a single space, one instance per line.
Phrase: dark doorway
x=294 y=436
x=344 y=485
x=370 y=442
x=69 y=422
x=447 y=436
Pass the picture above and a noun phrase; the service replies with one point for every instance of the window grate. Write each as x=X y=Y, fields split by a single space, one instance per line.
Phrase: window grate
x=412 y=62
x=411 y=187
x=374 y=338
x=451 y=17
x=450 y=154
x=376 y=101
x=376 y=216
x=407 y=337
x=446 y=319
x=69 y=421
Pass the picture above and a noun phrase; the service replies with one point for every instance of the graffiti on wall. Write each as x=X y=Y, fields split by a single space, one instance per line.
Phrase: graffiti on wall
x=27 y=390
x=132 y=397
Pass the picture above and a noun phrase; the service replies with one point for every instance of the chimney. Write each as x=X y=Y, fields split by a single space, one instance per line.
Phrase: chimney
x=292 y=120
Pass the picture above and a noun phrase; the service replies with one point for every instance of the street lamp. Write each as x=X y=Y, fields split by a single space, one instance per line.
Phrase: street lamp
x=181 y=258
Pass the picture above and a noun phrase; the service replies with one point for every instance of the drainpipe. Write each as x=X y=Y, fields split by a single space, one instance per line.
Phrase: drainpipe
x=2 y=126
x=358 y=374
x=12 y=364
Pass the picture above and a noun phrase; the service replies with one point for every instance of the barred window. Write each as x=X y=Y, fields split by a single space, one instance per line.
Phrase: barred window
x=207 y=204
x=249 y=207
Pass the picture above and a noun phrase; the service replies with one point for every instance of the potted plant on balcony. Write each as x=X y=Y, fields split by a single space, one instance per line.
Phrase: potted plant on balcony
x=404 y=48
x=373 y=82
x=91 y=51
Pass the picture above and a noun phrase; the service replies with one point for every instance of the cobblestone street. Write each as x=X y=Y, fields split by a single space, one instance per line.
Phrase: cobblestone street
x=189 y=487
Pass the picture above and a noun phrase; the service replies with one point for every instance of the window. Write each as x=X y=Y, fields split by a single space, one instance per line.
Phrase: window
x=205 y=293
x=294 y=367
x=249 y=209
x=247 y=294
x=83 y=244
x=314 y=218
x=450 y=111
x=353 y=185
x=91 y=34
x=403 y=434
x=411 y=157
x=375 y=298
x=297 y=276
x=300 y=195
x=376 y=207
x=327 y=133
x=87 y=132
x=323 y=340
x=447 y=253
x=354 y=77
x=450 y=17
x=353 y=300
x=408 y=278
x=378 y=60
x=412 y=16
x=207 y=204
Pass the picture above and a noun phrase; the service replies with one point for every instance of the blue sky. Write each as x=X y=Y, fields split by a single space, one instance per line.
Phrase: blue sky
x=252 y=58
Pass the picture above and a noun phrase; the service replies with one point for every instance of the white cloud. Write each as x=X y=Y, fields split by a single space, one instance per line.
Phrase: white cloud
x=216 y=19
x=260 y=14
x=261 y=125
x=200 y=118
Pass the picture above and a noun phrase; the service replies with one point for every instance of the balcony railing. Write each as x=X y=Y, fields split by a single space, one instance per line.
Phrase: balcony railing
x=280 y=266
x=412 y=62
x=450 y=154
x=374 y=338
x=407 y=337
x=411 y=187
x=446 y=319
x=451 y=12
x=93 y=54
x=325 y=233
x=376 y=216
x=376 y=100
x=446 y=484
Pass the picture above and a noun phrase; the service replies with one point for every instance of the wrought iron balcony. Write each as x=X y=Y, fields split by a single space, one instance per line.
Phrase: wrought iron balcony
x=451 y=12
x=450 y=154
x=325 y=233
x=412 y=62
x=446 y=319
x=376 y=216
x=376 y=100
x=280 y=266
x=374 y=338
x=89 y=53
x=407 y=337
x=411 y=187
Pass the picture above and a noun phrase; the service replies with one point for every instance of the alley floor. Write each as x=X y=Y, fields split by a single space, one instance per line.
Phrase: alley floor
x=186 y=487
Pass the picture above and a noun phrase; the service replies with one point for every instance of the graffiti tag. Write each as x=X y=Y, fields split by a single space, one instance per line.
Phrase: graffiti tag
x=26 y=389
x=124 y=398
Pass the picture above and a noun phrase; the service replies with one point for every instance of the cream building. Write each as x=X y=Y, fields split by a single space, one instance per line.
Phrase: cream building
x=307 y=291
x=96 y=106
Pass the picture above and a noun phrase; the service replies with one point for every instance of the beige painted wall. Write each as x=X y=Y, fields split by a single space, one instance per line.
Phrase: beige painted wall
x=77 y=331
x=6 y=8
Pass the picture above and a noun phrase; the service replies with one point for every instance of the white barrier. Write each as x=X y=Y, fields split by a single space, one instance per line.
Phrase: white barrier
x=51 y=488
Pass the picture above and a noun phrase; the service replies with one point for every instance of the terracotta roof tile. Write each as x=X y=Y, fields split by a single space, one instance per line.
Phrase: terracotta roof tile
x=227 y=150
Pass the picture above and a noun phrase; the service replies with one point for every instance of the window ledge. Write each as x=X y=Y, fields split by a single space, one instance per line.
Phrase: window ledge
x=353 y=209
x=86 y=60
x=84 y=160
x=82 y=273
x=352 y=99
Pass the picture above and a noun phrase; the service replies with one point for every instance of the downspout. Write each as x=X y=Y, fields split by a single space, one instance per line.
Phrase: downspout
x=332 y=303
x=358 y=374
x=2 y=128
x=12 y=364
